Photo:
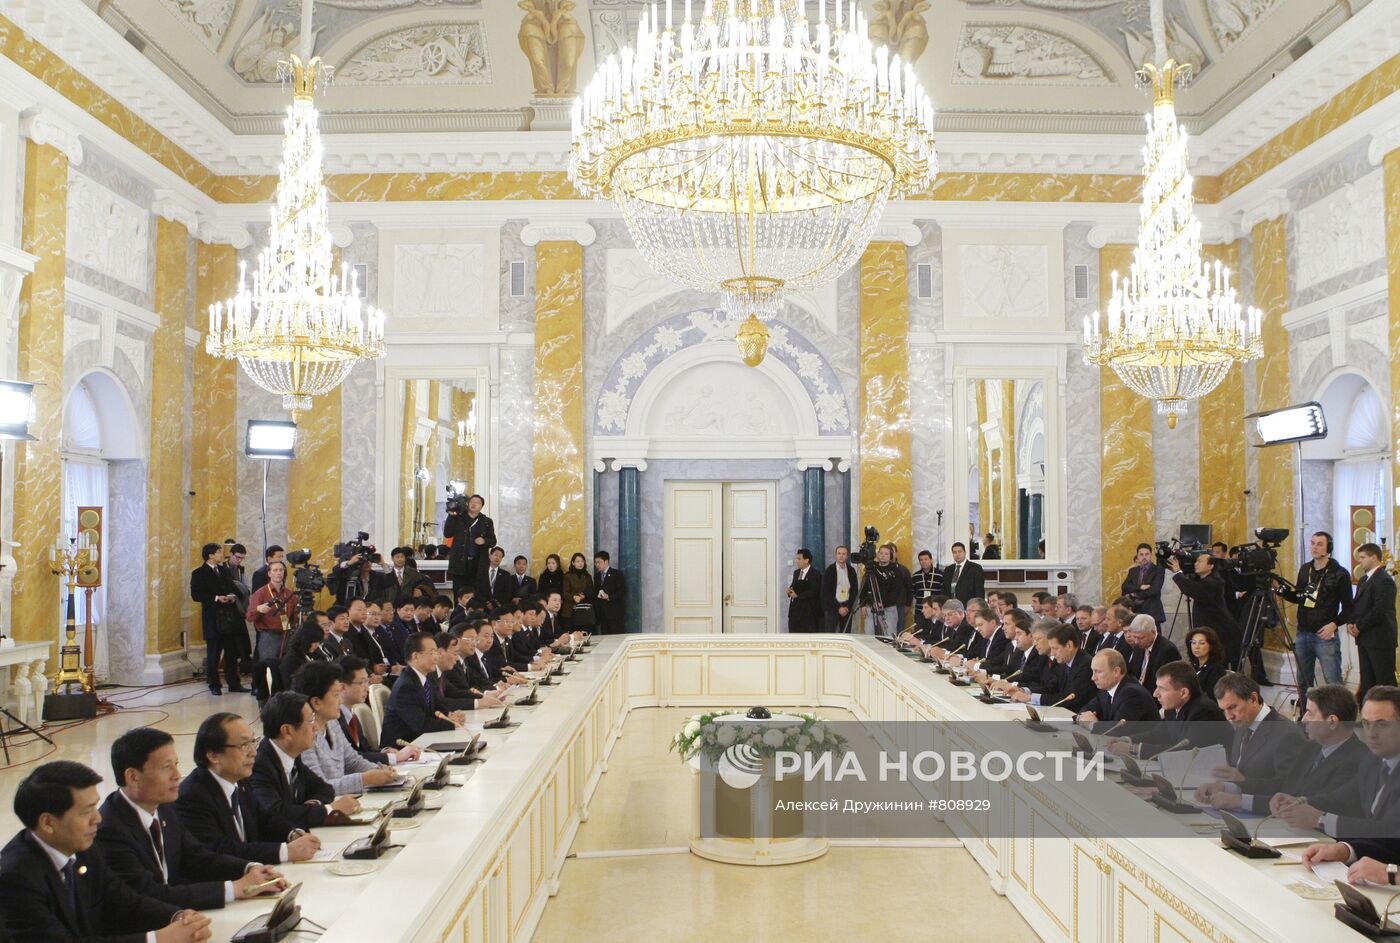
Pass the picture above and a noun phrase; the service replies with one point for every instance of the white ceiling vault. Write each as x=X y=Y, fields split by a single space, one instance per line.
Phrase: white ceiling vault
x=447 y=66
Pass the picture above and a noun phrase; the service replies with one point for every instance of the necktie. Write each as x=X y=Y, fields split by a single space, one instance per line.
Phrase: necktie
x=1244 y=745
x=428 y=693
x=1386 y=773
x=158 y=843
x=70 y=884
x=354 y=726
x=1142 y=675
x=237 y=816
x=294 y=780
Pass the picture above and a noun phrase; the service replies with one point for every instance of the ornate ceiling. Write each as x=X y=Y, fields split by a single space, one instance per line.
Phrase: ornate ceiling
x=502 y=65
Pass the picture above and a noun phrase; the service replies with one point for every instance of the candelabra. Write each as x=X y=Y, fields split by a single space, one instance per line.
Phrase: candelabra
x=67 y=558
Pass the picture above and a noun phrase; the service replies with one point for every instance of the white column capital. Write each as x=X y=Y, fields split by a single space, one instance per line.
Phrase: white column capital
x=224 y=234
x=844 y=465
x=601 y=465
x=171 y=206
x=825 y=464
x=1383 y=142
x=342 y=235
x=907 y=233
x=1105 y=235
x=535 y=233
x=42 y=127
x=618 y=464
x=1269 y=207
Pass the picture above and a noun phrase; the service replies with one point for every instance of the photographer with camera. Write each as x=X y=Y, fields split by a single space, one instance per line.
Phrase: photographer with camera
x=1323 y=595
x=1206 y=589
x=880 y=593
x=353 y=576
x=273 y=611
x=472 y=535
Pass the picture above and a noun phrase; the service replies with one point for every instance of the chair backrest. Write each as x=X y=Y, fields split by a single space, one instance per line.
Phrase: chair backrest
x=369 y=724
x=378 y=698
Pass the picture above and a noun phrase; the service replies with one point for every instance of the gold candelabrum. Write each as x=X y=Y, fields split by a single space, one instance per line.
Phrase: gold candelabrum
x=68 y=559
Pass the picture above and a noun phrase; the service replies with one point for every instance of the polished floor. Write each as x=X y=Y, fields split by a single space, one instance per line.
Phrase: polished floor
x=643 y=803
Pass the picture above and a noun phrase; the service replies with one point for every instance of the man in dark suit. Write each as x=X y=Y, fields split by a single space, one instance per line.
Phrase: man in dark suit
x=414 y=705
x=55 y=887
x=353 y=579
x=1143 y=585
x=1329 y=763
x=1071 y=683
x=1011 y=658
x=524 y=590
x=144 y=841
x=1122 y=702
x=1150 y=650
x=611 y=598
x=472 y=536
x=805 y=596
x=454 y=689
x=1189 y=717
x=271 y=555
x=223 y=626
x=958 y=633
x=1265 y=744
x=398 y=582
x=1114 y=630
x=840 y=584
x=337 y=643
x=989 y=643
x=963 y=578
x=281 y=783
x=1373 y=620
x=217 y=807
x=499 y=584
x=1206 y=590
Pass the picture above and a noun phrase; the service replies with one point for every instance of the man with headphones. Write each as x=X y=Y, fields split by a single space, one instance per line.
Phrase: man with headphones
x=1323 y=596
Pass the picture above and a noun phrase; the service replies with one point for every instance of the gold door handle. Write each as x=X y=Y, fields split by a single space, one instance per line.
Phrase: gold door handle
x=728 y=598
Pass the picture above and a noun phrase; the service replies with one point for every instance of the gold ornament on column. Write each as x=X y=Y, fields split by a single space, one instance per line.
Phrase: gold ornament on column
x=752 y=338
x=70 y=558
x=552 y=41
x=899 y=26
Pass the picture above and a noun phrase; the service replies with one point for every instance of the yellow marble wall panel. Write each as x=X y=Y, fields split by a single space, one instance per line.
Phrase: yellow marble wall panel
x=1040 y=188
x=1222 y=441
x=886 y=454
x=560 y=447
x=1371 y=88
x=38 y=498
x=405 y=483
x=984 y=468
x=166 y=530
x=1271 y=380
x=463 y=461
x=1126 y=493
x=1392 y=239
x=314 y=498
x=214 y=449
x=1006 y=529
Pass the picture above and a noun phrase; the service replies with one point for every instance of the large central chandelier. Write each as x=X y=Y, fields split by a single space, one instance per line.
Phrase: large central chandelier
x=301 y=326
x=752 y=149
x=1175 y=324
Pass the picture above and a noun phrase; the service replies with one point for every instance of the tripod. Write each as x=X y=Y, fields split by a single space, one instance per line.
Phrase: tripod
x=16 y=726
x=1262 y=612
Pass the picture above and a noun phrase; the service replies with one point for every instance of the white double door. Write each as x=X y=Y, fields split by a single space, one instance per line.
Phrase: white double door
x=721 y=557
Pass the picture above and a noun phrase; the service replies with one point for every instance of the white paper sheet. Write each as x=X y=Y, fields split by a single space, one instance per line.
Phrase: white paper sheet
x=1187 y=769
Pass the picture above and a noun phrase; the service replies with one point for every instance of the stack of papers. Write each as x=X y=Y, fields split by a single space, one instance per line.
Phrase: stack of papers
x=1187 y=769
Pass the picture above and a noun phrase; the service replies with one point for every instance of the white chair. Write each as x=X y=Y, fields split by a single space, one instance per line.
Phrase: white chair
x=369 y=724
x=378 y=697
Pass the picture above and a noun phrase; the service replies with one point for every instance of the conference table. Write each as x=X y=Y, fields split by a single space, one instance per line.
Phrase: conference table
x=482 y=866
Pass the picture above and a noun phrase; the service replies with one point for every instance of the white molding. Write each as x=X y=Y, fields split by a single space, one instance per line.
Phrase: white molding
x=581 y=232
x=896 y=230
x=1341 y=301
x=1266 y=208
x=93 y=297
x=212 y=232
x=193 y=336
x=171 y=206
x=42 y=126
x=341 y=235
x=993 y=338
x=13 y=257
x=825 y=464
x=172 y=666
x=618 y=464
x=1383 y=142
x=600 y=466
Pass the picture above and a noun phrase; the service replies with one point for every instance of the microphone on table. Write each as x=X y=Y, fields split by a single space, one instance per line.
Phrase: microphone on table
x=1064 y=700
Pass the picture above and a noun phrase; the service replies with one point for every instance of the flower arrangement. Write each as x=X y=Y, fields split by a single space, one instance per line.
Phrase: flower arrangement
x=703 y=735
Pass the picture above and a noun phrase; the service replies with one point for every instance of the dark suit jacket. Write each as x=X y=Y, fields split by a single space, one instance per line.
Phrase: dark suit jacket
x=1199 y=721
x=390 y=642
x=1373 y=611
x=36 y=908
x=1091 y=640
x=364 y=645
x=197 y=875
x=1310 y=777
x=610 y=611
x=502 y=587
x=829 y=603
x=970 y=583
x=259 y=579
x=1075 y=679
x=349 y=585
x=549 y=629
x=1353 y=800
x=478 y=676
x=206 y=815
x=524 y=644
x=522 y=588
x=1208 y=674
x=360 y=743
x=206 y=583
x=805 y=609
x=1162 y=652
x=409 y=712
x=468 y=560
x=1147 y=601
x=338 y=649
x=1209 y=607
x=275 y=794
x=1007 y=658
x=452 y=693
x=1131 y=702
x=390 y=589
x=1270 y=752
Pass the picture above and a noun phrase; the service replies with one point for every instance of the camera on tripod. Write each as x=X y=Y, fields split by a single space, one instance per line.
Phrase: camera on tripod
x=306 y=577
x=1183 y=553
x=865 y=555
x=357 y=547
x=1258 y=559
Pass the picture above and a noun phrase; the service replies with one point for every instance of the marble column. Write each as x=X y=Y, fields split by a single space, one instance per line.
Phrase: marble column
x=406 y=454
x=314 y=491
x=166 y=530
x=1222 y=440
x=814 y=508
x=463 y=461
x=1272 y=385
x=629 y=539
x=984 y=465
x=1126 y=492
x=597 y=511
x=559 y=506
x=38 y=493
x=886 y=459
x=1008 y=511
x=214 y=450
x=1385 y=151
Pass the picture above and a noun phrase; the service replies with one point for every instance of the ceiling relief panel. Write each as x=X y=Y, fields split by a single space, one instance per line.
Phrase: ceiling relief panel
x=899 y=25
x=1016 y=54
x=208 y=19
x=1232 y=19
x=424 y=54
x=268 y=39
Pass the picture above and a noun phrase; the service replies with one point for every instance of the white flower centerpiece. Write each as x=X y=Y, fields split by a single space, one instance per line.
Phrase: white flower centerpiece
x=705 y=735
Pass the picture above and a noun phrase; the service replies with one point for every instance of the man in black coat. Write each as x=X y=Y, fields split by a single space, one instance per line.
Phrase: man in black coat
x=144 y=841
x=281 y=783
x=1070 y=684
x=353 y=579
x=611 y=589
x=1150 y=651
x=414 y=704
x=840 y=584
x=473 y=534
x=55 y=887
x=1264 y=745
x=217 y=807
x=1206 y=589
x=1121 y=702
x=1190 y=717
x=223 y=625
x=805 y=596
x=1143 y=585
x=963 y=579
x=1373 y=620
x=524 y=591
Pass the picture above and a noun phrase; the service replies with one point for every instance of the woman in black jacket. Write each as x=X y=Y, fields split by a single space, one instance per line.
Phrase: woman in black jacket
x=1207 y=657
x=303 y=646
x=552 y=577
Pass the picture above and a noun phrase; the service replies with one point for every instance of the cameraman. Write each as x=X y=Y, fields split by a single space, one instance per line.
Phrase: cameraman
x=355 y=578
x=880 y=594
x=1323 y=594
x=1209 y=609
x=472 y=535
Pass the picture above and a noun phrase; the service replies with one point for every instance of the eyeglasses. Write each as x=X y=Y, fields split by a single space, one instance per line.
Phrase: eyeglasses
x=247 y=746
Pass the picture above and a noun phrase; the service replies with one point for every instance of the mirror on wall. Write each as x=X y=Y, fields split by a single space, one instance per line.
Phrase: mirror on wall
x=1004 y=449
x=439 y=436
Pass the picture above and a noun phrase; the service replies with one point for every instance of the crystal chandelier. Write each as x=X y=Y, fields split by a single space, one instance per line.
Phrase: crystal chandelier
x=752 y=149
x=1175 y=323
x=301 y=326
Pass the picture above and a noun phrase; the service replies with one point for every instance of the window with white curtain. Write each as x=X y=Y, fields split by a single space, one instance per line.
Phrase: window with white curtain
x=85 y=485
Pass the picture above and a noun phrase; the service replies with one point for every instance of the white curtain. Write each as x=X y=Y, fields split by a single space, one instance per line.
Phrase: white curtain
x=85 y=485
x=1356 y=483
